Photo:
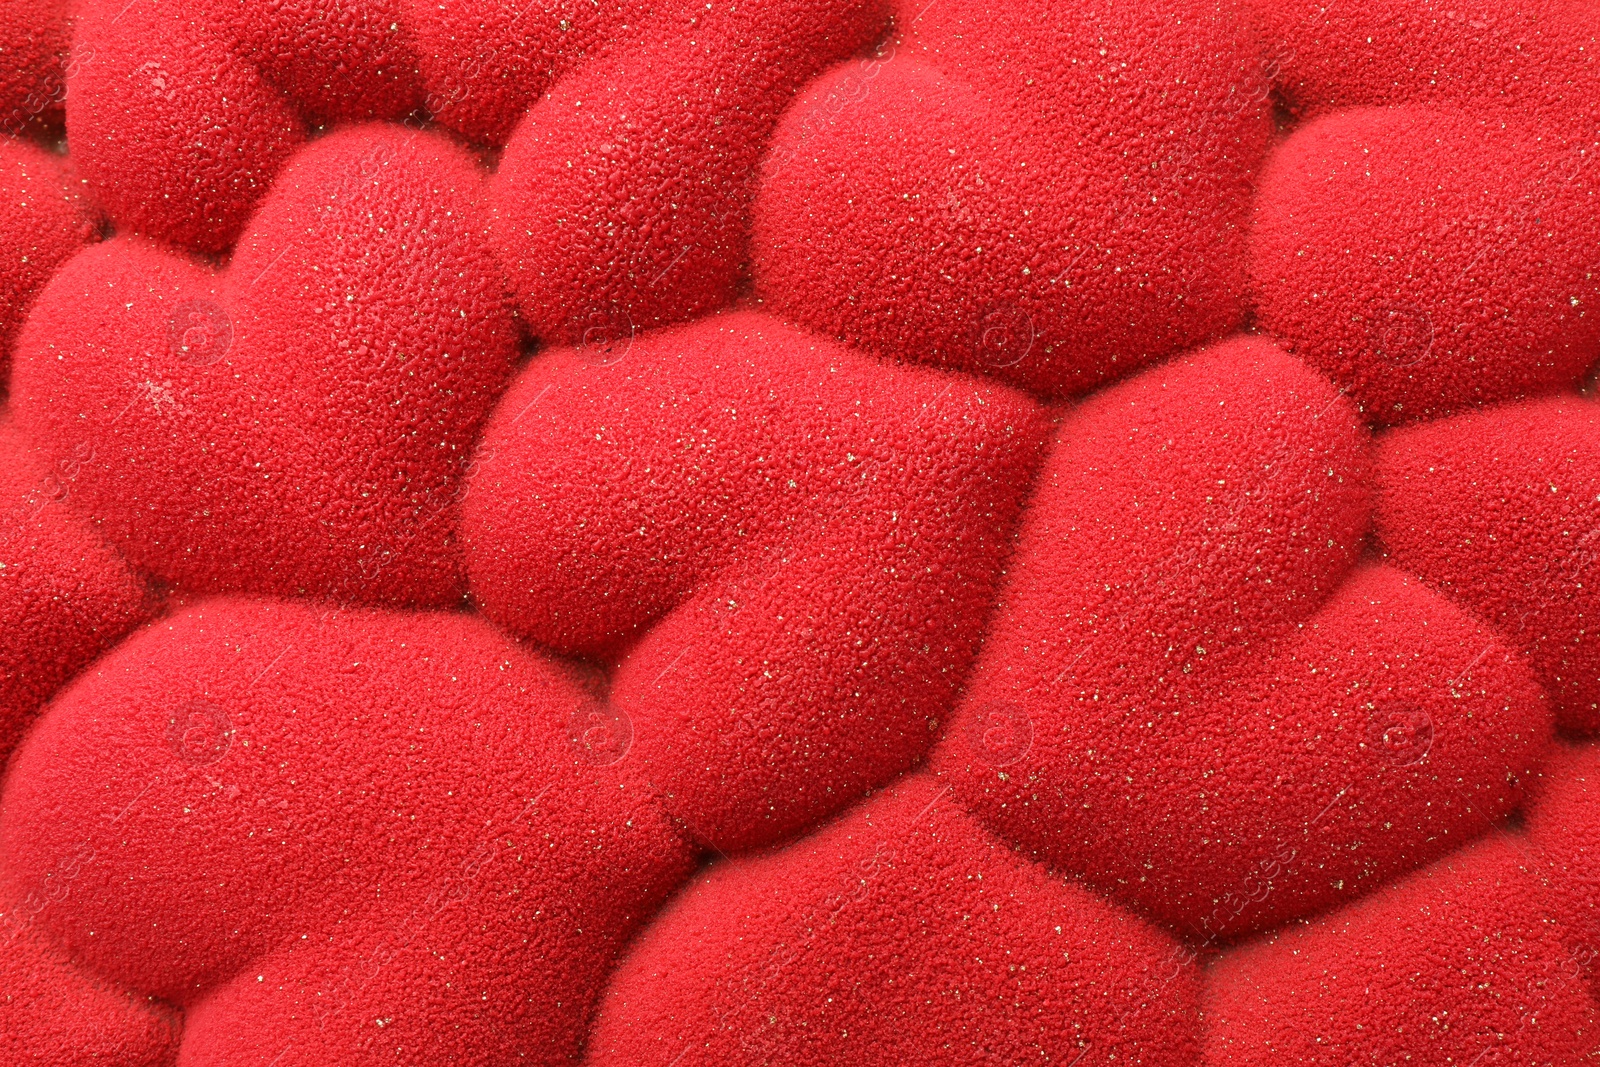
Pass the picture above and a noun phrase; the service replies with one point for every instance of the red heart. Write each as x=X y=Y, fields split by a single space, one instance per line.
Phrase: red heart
x=785 y=548
x=296 y=423
x=1232 y=723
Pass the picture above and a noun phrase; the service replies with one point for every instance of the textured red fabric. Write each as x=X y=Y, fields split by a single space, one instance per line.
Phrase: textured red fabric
x=176 y=136
x=317 y=400
x=1458 y=963
x=1500 y=509
x=902 y=933
x=788 y=548
x=485 y=62
x=35 y=38
x=1053 y=193
x=54 y=1015
x=1430 y=259
x=336 y=59
x=1564 y=834
x=64 y=595
x=335 y=834
x=1188 y=697
x=43 y=221
x=1533 y=56
x=839 y=532
x=622 y=198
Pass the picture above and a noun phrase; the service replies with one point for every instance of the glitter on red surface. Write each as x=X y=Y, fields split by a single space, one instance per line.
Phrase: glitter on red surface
x=826 y=532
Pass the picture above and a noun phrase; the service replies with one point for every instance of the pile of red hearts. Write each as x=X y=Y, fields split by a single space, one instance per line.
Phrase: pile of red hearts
x=826 y=532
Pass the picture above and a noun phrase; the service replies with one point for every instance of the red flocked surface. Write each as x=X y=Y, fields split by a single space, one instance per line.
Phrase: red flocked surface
x=43 y=221
x=34 y=52
x=174 y=132
x=1565 y=836
x=58 y=1016
x=876 y=940
x=789 y=549
x=1054 y=193
x=827 y=532
x=1500 y=509
x=498 y=869
x=321 y=392
x=1535 y=57
x=1460 y=960
x=1191 y=692
x=65 y=595
x=485 y=62
x=336 y=59
x=622 y=198
x=1427 y=260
